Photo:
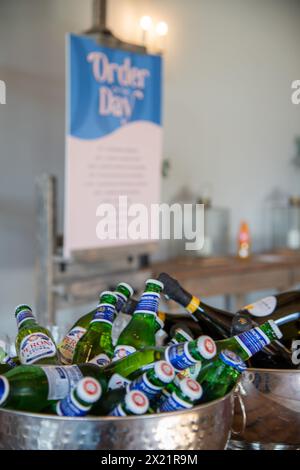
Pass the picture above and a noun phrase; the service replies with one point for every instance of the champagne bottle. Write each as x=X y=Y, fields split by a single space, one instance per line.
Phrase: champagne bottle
x=275 y=355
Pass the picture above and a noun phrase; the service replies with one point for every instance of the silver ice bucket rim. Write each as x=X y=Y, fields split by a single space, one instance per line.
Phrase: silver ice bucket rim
x=92 y=418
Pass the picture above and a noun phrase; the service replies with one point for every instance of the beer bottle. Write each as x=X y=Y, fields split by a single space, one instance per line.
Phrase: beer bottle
x=96 y=344
x=186 y=393
x=181 y=336
x=180 y=356
x=150 y=382
x=222 y=374
x=141 y=329
x=252 y=341
x=34 y=387
x=34 y=343
x=80 y=399
x=68 y=344
x=135 y=403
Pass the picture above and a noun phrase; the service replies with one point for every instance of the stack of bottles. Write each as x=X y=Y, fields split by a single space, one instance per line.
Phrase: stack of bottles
x=88 y=373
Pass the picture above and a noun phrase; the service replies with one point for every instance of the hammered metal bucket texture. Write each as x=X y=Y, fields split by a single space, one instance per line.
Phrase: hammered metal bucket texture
x=204 y=427
x=271 y=400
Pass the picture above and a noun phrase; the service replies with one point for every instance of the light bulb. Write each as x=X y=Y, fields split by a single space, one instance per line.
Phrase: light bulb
x=146 y=23
x=162 y=28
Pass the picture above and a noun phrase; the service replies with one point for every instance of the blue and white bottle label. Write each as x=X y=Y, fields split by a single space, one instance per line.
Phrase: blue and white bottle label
x=174 y=403
x=143 y=385
x=252 y=341
x=104 y=313
x=23 y=316
x=122 y=351
x=179 y=356
x=148 y=303
x=68 y=344
x=69 y=406
x=101 y=360
x=61 y=380
x=117 y=411
x=35 y=347
x=117 y=381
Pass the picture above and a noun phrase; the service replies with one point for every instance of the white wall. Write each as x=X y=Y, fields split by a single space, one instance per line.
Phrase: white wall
x=228 y=114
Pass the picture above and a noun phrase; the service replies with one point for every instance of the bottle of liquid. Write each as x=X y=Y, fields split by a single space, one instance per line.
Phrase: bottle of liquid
x=34 y=343
x=180 y=356
x=134 y=403
x=220 y=322
x=186 y=393
x=96 y=344
x=181 y=336
x=244 y=241
x=6 y=360
x=141 y=330
x=150 y=382
x=221 y=376
x=34 y=388
x=67 y=346
x=80 y=399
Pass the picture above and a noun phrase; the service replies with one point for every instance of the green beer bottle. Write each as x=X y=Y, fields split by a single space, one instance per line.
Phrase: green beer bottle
x=67 y=346
x=181 y=336
x=134 y=403
x=180 y=356
x=80 y=399
x=6 y=360
x=150 y=382
x=34 y=343
x=186 y=393
x=141 y=329
x=252 y=341
x=221 y=376
x=96 y=344
x=34 y=388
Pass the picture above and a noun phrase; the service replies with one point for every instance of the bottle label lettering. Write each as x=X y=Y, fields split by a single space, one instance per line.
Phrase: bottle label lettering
x=61 y=380
x=252 y=341
x=148 y=303
x=104 y=313
x=179 y=356
x=263 y=307
x=35 y=347
x=68 y=344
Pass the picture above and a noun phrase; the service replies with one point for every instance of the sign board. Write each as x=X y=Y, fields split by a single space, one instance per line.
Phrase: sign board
x=113 y=140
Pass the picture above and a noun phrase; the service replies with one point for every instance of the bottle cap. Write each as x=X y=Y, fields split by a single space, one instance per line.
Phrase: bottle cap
x=22 y=307
x=183 y=333
x=127 y=286
x=191 y=388
x=4 y=389
x=156 y=282
x=88 y=390
x=164 y=371
x=233 y=360
x=136 y=402
x=206 y=347
x=275 y=329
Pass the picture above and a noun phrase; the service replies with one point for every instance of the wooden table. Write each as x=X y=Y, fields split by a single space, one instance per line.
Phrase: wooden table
x=231 y=276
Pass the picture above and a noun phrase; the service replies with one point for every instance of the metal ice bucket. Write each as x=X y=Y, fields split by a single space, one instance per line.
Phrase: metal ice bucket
x=270 y=410
x=204 y=427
